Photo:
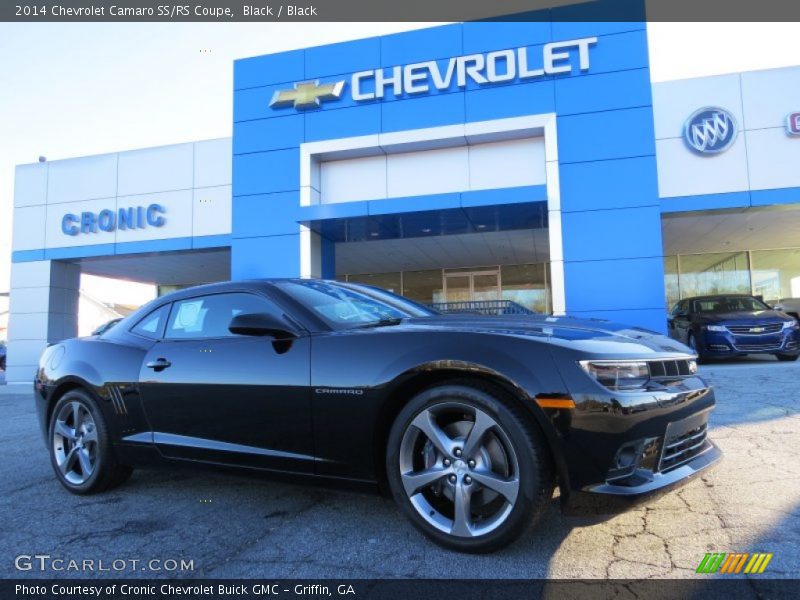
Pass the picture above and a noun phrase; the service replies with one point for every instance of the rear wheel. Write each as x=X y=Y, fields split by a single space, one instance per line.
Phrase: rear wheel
x=787 y=357
x=80 y=449
x=469 y=470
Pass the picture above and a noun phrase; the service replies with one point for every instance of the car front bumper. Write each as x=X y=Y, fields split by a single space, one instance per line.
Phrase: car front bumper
x=724 y=343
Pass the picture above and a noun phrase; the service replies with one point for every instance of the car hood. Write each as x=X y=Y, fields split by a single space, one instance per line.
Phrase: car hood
x=755 y=317
x=595 y=336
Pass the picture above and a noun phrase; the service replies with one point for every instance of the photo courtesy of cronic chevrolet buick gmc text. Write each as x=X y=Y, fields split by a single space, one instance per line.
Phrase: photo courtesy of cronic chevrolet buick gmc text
x=734 y=325
x=468 y=421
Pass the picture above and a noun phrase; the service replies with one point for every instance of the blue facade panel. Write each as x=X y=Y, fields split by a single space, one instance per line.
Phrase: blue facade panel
x=614 y=284
x=268 y=256
x=343 y=122
x=485 y=36
x=510 y=101
x=269 y=69
x=268 y=134
x=605 y=135
x=425 y=111
x=345 y=57
x=619 y=183
x=604 y=91
x=266 y=214
x=421 y=45
x=266 y=172
x=609 y=234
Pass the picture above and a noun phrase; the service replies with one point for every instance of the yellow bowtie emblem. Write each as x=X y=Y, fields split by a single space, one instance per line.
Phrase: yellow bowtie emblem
x=307 y=94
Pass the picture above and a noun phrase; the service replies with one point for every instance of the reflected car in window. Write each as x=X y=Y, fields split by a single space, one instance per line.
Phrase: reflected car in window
x=468 y=421
x=732 y=325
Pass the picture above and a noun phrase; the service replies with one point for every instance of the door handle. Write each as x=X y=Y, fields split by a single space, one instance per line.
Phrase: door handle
x=158 y=364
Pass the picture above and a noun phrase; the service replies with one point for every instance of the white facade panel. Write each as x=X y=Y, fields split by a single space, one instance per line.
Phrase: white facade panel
x=510 y=163
x=30 y=184
x=675 y=101
x=30 y=274
x=774 y=158
x=156 y=170
x=681 y=172
x=82 y=178
x=27 y=326
x=177 y=216
x=212 y=210
x=55 y=236
x=769 y=96
x=212 y=163
x=28 y=228
x=427 y=172
x=28 y=300
x=353 y=179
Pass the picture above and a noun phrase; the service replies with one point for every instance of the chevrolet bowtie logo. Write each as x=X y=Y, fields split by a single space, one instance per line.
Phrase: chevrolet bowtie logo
x=308 y=94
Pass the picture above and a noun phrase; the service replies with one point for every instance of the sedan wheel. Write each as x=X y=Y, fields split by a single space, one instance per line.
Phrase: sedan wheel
x=81 y=453
x=468 y=470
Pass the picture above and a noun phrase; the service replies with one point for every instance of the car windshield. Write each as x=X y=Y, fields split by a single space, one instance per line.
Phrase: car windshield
x=346 y=305
x=725 y=304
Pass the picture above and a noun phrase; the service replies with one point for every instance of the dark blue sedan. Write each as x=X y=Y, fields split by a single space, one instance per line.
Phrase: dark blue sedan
x=734 y=325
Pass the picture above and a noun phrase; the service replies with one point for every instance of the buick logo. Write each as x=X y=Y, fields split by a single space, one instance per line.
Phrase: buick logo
x=710 y=130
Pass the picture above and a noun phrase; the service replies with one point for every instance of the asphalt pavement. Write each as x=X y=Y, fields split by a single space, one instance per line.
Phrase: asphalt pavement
x=235 y=526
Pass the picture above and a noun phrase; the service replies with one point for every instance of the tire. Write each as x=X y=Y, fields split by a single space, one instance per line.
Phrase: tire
x=787 y=357
x=510 y=456
x=83 y=462
x=691 y=341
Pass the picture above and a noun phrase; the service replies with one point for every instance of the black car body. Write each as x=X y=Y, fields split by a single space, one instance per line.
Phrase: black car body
x=725 y=326
x=307 y=388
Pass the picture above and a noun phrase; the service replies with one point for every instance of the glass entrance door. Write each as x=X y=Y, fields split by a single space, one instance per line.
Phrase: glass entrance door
x=467 y=286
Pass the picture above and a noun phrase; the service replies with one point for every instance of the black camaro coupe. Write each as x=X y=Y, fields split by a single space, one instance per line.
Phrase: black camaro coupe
x=468 y=421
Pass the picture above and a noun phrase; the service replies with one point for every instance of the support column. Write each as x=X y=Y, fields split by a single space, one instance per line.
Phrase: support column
x=43 y=309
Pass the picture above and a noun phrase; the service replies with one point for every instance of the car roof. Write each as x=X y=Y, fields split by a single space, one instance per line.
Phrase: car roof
x=712 y=296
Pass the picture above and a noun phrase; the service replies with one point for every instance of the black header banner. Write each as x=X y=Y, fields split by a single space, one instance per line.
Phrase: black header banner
x=227 y=11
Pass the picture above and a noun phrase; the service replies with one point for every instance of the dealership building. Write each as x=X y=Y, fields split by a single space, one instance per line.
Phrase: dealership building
x=528 y=162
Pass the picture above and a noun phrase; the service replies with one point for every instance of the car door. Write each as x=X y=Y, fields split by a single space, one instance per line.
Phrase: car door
x=214 y=396
x=680 y=321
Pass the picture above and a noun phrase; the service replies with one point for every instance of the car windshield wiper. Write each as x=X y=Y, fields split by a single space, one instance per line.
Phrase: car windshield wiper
x=388 y=322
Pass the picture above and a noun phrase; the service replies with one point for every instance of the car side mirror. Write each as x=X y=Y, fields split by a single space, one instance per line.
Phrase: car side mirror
x=261 y=324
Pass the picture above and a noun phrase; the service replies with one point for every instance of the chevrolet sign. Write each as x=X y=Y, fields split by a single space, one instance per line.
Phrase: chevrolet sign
x=418 y=78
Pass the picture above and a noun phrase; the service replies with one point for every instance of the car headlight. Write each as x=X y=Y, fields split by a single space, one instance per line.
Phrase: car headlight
x=716 y=328
x=790 y=325
x=618 y=374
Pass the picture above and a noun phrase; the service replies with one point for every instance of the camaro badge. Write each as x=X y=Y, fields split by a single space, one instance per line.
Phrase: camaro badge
x=307 y=94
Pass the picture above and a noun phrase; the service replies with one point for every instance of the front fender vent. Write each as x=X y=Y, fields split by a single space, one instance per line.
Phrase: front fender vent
x=117 y=400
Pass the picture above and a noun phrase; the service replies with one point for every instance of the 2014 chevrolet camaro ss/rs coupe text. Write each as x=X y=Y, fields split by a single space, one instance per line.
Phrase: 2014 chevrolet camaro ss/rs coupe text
x=469 y=421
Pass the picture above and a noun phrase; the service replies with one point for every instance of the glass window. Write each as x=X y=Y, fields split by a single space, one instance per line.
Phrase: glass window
x=776 y=274
x=710 y=274
x=423 y=286
x=724 y=304
x=210 y=316
x=150 y=326
x=671 y=284
x=526 y=285
x=343 y=306
x=388 y=281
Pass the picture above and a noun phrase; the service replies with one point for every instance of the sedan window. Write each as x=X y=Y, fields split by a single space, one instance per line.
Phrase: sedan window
x=210 y=316
x=724 y=304
x=151 y=325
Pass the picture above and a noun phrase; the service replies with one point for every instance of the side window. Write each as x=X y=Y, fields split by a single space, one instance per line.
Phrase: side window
x=209 y=316
x=151 y=325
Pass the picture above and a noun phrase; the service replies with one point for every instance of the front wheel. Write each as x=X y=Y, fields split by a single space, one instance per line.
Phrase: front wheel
x=787 y=357
x=468 y=469
x=692 y=343
x=80 y=448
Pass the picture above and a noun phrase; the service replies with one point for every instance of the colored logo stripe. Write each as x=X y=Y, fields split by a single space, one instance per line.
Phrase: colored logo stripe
x=733 y=563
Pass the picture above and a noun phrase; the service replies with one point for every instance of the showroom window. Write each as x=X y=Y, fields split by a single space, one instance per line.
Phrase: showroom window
x=527 y=286
x=776 y=274
x=719 y=273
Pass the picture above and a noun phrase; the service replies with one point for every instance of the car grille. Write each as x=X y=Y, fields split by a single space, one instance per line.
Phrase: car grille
x=669 y=368
x=759 y=347
x=748 y=329
x=682 y=448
